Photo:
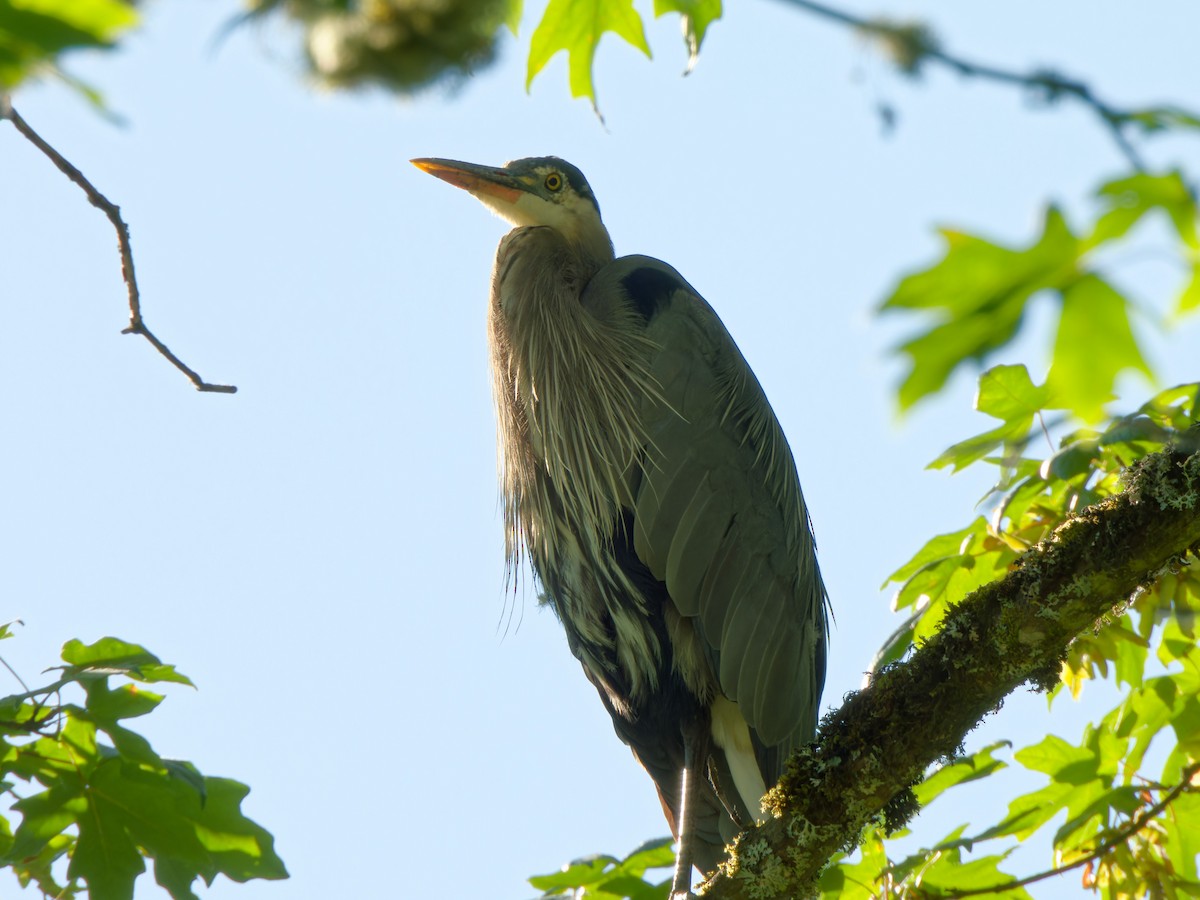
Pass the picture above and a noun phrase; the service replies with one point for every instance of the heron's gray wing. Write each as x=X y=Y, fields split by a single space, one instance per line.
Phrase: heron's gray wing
x=719 y=515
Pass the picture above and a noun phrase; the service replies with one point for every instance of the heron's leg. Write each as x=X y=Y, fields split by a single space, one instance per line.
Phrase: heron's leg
x=695 y=766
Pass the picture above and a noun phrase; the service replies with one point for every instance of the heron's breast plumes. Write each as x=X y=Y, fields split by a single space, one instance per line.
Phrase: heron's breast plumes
x=569 y=391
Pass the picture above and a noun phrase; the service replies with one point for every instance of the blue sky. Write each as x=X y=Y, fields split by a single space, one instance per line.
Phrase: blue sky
x=322 y=552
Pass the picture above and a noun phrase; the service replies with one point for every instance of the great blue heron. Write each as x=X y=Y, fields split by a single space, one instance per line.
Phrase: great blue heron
x=647 y=479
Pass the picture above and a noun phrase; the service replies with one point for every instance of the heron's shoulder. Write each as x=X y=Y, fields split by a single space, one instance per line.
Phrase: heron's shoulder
x=650 y=284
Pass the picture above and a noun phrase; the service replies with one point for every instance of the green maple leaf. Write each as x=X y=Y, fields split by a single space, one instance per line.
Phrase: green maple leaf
x=577 y=26
x=1095 y=343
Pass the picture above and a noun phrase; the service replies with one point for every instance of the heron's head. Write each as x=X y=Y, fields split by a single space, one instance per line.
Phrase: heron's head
x=542 y=190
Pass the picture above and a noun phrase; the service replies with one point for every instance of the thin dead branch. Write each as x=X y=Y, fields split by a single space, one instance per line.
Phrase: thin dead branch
x=137 y=324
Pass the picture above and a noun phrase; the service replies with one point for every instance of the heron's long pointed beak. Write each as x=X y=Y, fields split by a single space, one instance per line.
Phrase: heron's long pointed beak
x=498 y=183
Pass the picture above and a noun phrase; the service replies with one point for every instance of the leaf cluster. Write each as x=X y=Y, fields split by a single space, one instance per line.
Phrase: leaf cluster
x=403 y=46
x=399 y=45
x=1128 y=830
x=577 y=27
x=1128 y=834
x=34 y=34
x=974 y=299
x=406 y=45
x=96 y=801
x=604 y=877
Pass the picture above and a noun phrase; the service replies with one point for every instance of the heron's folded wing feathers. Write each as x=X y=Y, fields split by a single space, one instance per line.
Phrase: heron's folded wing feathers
x=719 y=514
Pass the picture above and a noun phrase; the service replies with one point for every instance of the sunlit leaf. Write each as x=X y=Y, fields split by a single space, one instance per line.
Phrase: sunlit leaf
x=951 y=874
x=1095 y=344
x=44 y=816
x=978 y=765
x=1169 y=192
x=577 y=27
x=239 y=848
x=1054 y=756
x=1009 y=394
x=844 y=880
x=1091 y=812
x=112 y=654
x=108 y=653
x=579 y=873
x=1128 y=199
x=604 y=876
x=1177 y=643
x=915 y=864
x=964 y=453
x=105 y=855
x=653 y=854
x=978 y=294
x=1006 y=393
x=935 y=549
x=1182 y=844
x=928 y=585
x=125 y=702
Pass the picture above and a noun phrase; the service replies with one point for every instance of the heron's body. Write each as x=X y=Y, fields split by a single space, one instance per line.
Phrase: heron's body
x=647 y=478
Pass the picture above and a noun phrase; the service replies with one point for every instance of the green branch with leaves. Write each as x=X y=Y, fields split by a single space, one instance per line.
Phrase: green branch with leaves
x=94 y=795
x=870 y=752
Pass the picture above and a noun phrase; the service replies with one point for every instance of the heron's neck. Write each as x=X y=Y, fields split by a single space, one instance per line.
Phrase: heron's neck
x=592 y=247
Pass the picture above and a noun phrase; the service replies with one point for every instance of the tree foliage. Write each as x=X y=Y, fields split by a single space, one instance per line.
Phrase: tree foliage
x=604 y=877
x=1128 y=827
x=408 y=45
x=400 y=45
x=34 y=34
x=93 y=794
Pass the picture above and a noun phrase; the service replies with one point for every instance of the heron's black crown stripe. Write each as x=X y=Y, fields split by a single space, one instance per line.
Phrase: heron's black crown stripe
x=577 y=181
x=649 y=289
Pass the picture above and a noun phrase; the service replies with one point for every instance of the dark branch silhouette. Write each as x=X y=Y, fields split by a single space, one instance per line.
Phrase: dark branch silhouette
x=912 y=44
x=136 y=324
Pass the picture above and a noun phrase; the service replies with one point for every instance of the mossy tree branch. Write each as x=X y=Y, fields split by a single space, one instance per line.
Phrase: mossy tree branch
x=870 y=752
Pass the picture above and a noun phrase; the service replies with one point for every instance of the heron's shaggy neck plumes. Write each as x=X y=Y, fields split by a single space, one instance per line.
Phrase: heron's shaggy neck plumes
x=570 y=438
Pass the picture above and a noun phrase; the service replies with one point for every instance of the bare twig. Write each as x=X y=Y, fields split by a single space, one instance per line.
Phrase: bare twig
x=1135 y=825
x=913 y=45
x=136 y=324
x=14 y=674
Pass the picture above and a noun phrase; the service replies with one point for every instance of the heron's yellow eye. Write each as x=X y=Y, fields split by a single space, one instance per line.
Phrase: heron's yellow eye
x=554 y=182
